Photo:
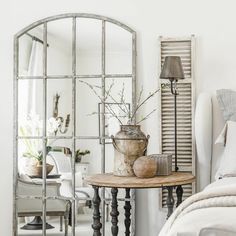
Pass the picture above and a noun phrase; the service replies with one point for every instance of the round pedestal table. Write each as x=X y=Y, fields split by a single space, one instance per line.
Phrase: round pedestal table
x=175 y=180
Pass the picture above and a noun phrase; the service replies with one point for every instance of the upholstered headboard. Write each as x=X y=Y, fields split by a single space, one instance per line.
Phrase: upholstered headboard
x=208 y=124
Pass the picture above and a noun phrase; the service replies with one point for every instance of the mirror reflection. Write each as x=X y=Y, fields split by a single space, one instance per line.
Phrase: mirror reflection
x=88 y=47
x=118 y=50
x=87 y=101
x=59 y=53
x=58 y=129
x=31 y=53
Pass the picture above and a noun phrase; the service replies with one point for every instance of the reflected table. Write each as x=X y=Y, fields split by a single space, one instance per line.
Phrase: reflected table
x=175 y=180
x=37 y=223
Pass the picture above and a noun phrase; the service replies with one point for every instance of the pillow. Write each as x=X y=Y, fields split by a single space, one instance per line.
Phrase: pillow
x=227 y=101
x=221 y=139
x=228 y=162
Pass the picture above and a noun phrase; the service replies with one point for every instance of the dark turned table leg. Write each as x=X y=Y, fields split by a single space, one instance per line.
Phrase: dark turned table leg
x=179 y=193
x=96 y=213
x=170 y=201
x=114 y=212
x=127 y=208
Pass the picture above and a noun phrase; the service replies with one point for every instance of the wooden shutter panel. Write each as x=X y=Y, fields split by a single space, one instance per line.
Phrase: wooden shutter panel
x=183 y=47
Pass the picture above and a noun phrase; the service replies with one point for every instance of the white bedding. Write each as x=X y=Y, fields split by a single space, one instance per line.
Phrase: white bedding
x=211 y=212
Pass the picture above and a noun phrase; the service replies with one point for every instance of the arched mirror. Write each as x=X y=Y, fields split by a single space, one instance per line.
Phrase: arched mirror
x=69 y=69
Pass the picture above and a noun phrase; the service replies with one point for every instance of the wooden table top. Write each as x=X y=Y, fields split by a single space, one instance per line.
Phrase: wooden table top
x=111 y=181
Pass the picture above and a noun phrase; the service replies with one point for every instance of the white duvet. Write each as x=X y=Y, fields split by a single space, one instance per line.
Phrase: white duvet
x=211 y=212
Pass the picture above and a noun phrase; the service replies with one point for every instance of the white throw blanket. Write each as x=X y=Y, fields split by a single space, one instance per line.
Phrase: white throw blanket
x=219 y=196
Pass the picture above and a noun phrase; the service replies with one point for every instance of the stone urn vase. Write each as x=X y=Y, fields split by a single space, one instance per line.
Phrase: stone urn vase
x=129 y=144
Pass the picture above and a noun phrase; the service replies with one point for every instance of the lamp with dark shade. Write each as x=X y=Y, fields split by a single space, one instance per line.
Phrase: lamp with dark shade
x=172 y=70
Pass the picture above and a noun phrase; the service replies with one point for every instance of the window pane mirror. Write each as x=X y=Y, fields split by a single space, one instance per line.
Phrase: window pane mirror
x=64 y=67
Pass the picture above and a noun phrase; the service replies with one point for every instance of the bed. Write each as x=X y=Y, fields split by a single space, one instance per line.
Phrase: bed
x=212 y=211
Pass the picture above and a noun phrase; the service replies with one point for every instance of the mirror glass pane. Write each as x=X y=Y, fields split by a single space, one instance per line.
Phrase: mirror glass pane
x=59 y=159
x=59 y=107
x=30 y=107
x=59 y=51
x=118 y=50
x=88 y=45
x=87 y=103
x=24 y=222
x=29 y=154
x=88 y=162
x=31 y=53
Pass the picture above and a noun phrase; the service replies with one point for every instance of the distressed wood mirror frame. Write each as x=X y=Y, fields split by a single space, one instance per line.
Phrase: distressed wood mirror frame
x=73 y=137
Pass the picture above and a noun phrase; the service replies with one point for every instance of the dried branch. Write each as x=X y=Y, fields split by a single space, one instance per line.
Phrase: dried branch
x=92 y=88
x=146 y=117
x=93 y=113
x=122 y=99
x=109 y=89
x=121 y=93
x=140 y=96
x=107 y=93
x=112 y=112
x=122 y=105
x=115 y=101
x=143 y=102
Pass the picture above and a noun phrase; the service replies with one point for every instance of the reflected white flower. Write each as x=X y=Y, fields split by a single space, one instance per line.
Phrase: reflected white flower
x=33 y=126
x=53 y=125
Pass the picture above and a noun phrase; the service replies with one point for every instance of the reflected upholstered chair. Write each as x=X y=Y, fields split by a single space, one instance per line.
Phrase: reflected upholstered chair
x=33 y=207
x=84 y=194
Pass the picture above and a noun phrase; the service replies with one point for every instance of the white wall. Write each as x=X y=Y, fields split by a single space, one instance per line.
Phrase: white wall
x=213 y=22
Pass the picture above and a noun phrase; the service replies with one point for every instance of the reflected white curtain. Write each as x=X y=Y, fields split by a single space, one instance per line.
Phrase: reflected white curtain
x=29 y=96
x=34 y=69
